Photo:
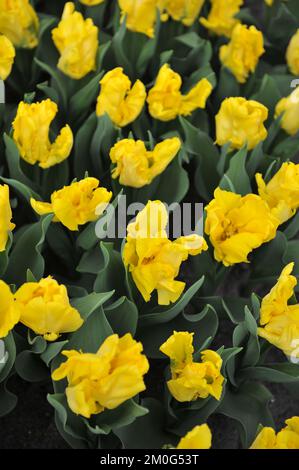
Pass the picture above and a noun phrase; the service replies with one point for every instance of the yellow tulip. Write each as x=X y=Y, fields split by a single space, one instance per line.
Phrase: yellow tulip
x=136 y=166
x=31 y=129
x=242 y=54
x=19 y=22
x=45 y=308
x=288 y=109
x=280 y=321
x=106 y=379
x=292 y=55
x=185 y=11
x=122 y=102
x=77 y=204
x=287 y=438
x=269 y=2
x=222 y=17
x=237 y=225
x=91 y=3
x=140 y=16
x=77 y=41
x=199 y=438
x=9 y=311
x=166 y=101
x=6 y=225
x=192 y=380
x=239 y=122
x=153 y=260
x=282 y=191
x=7 y=56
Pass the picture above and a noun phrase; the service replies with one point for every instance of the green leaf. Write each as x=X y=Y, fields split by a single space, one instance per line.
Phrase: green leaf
x=92 y=333
x=14 y=164
x=249 y=406
x=26 y=254
x=237 y=174
x=88 y=304
x=123 y=415
x=204 y=325
x=122 y=315
x=147 y=431
x=83 y=99
x=112 y=273
x=71 y=427
x=169 y=313
x=268 y=94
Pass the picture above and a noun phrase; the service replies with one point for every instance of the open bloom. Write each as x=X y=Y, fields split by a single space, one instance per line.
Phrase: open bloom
x=185 y=11
x=77 y=41
x=136 y=166
x=140 y=16
x=6 y=225
x=192 y=380
x=242 y=53
x=222 y=17
x=280 y=321
x=19 y=22
x=282 y=191
x=237 y=225
x=106 y=379
x=166 y=101
x=292 y=55
x=240 y=121
x=153 y=260
x=288 y=109
x=287 y=438
x=119 y=99
x=9 y=311
x=7 y=56
x=199 y=438
x=45 y=308
x=81 y=202
x=31 y=134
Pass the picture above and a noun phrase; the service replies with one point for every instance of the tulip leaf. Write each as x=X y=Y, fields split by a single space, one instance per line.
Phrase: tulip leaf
x=166 y=314
x=148 y=431
x=237 y=174
x=122 y=316
x=26 y=254
x=249 y=406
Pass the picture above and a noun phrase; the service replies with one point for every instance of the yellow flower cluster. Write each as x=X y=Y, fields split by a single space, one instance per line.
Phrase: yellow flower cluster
x=77 y=41
x=192 y=380
x=287 y=438
x=19 y=22
x=221 y=19
x=136 y=166
x=152 y=259
x=81 y=202
x=7 y=56
x=242 y=53
x=42 y=306
x=31 y=129
x=6 y=224
x=288 y=109
x=119 y=99
x=166 y=101
x=280 y=321
x=199 y=438
x=106 y=379
x=237 y=225
x=282 y=191
x=124 y=102
x=241 y=122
